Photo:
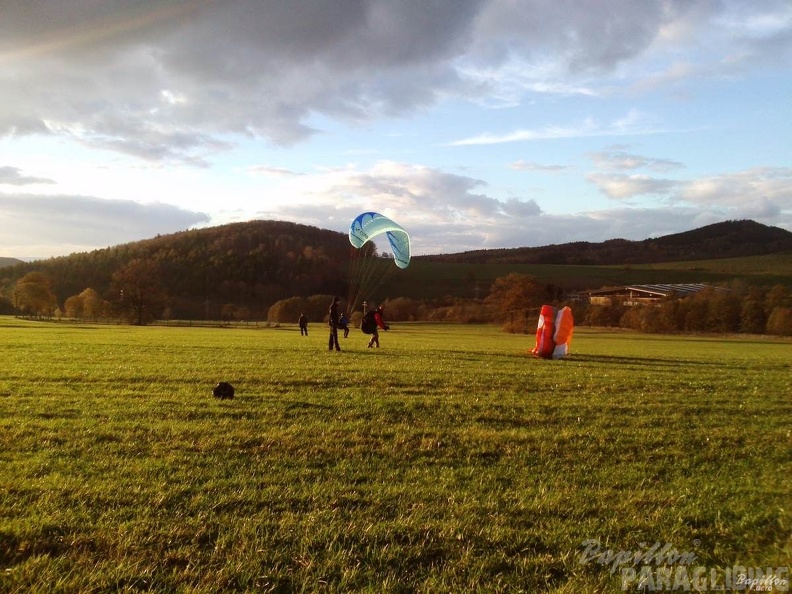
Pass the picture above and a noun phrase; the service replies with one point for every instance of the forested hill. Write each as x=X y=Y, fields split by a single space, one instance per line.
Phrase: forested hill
x=257 y=263
x=251 y=264
x=729 y=239
x=9 y=262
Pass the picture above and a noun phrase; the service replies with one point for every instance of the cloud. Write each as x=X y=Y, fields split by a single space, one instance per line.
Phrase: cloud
x=13 y=176
x=271 y=172
x=157 y=144
x=763 y=194
x=40 y=226
x=439 y=206
x=444 y=212
x=197 y=82
x=176 y=81
x=587 y=128
x=620 y=160
x=582 y=36
x=668 y=77
x=629 y=125
x=620 y=186
x=447 y=212
x=522 y=165
x=130 y=77
x=625 y=223
x=762 y=189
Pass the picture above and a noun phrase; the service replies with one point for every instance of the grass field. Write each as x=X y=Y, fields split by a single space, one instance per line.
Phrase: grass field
x=446 y=461
x=432 y=280
x=775 y=265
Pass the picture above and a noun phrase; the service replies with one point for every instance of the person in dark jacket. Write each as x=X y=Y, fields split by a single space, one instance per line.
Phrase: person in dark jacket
x=303 y=321
x=343 y=323
x=379 y=322
x=333 y=322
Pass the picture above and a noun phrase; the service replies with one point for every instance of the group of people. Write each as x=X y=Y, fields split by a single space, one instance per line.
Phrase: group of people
x=371 y=323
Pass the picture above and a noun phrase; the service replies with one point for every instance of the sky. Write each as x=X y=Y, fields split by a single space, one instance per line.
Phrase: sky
x=475 y=124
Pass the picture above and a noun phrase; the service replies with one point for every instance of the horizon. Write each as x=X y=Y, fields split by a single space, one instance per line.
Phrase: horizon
x=386 y=253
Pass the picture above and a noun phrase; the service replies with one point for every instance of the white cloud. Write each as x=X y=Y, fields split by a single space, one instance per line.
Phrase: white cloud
x=621 y=160
x=199 y=89
x=620 y=186
x=762 y=194
x=271 y=172
x=165 y=81
x=14 y=176
x=771 y=188
x=631 y=124
x=522 y=165
x=40 y=226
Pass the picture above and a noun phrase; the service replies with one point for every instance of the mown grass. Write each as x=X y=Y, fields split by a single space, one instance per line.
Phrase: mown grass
x=435 y=280
x=447 y=461
x=774 y=265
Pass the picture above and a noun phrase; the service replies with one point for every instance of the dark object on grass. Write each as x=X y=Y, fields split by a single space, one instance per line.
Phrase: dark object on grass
x=223 y=390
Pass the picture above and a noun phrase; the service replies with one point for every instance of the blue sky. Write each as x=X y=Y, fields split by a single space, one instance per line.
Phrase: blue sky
x=474 y=123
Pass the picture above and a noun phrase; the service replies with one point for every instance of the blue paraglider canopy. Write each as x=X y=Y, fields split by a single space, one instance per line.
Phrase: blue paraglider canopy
x=368 y=270
x=369 y=225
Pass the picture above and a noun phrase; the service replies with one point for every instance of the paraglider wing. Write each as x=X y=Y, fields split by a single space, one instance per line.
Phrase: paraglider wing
x=544 y=333
x=553 y=332
x=564 y=328
x=369 y=225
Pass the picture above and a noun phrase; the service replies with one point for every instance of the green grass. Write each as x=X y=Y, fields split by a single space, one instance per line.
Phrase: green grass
x=446 y=461
x=432 y=280
x=778 y=265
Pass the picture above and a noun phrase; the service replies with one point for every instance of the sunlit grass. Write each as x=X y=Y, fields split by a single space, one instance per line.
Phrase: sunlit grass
x=446 y=461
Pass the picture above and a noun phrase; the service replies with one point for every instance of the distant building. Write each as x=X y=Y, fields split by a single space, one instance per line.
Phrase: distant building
x=635 y=294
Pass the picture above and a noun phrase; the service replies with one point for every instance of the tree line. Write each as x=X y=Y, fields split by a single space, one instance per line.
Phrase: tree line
x=250 y=265
x=137 y=294
x=515 y=299
x=734 y=309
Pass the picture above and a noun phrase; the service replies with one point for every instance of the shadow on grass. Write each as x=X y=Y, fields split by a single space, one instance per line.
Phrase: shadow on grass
x=644 y=361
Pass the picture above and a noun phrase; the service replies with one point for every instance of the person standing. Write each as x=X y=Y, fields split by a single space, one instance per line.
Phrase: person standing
x=379 y=322
x=343 y=323
x=333 y=322
x=303 y=321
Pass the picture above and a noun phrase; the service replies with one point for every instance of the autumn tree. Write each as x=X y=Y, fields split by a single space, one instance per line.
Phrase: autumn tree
x=138 y=291
x=605 y=315
x=73 y=307
x=288 y=310
x=514 y=297
x=780 y=321
x=405 y=309
x=725 y=309
x=33 y=294
x=87 y=305
x=777 y=296
x=753 y=316
x=317 y=307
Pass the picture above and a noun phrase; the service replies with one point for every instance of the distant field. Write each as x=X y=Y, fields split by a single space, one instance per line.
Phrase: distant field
x=446 y=461
x=437 y=279
x=774 y=265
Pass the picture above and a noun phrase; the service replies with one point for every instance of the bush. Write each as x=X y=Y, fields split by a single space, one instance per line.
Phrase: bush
x=780 y=321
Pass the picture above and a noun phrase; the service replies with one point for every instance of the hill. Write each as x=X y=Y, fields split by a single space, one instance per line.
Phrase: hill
x=9 y=262
x=251 y=264
x=729 y=239
x=256 y=263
